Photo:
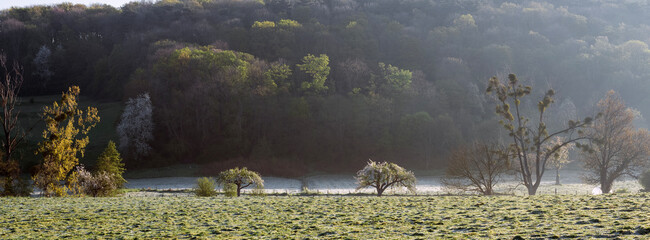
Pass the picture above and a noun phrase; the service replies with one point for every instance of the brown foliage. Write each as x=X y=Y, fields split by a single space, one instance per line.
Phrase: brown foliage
x=477 y=168
x=615 y=147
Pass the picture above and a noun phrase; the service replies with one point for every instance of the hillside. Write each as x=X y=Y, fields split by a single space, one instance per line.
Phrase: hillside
x=325 y=85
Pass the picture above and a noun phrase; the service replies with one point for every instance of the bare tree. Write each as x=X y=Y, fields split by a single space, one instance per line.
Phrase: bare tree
x=529 y=141
x=477 y=168
x=9 y=88
x=615 y=147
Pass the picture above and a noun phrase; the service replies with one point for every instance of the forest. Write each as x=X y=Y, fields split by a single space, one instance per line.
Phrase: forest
x=325 y=85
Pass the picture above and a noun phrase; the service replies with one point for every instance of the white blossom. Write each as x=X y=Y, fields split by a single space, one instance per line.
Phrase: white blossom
x=136 y=126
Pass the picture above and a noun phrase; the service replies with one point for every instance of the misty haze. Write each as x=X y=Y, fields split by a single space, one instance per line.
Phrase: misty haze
x=326 y=119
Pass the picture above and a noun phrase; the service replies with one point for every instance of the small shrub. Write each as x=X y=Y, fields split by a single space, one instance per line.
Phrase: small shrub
x=19 y=188
x=644 y=180
x=230 y=189
x=622 y=190
x=258 y=191
x=100 y=184
x=23 y=188
x=205 y=187
x=305 y=191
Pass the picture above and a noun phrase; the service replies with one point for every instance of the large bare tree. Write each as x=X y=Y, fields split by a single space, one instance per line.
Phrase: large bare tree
x=529 y=139
x=9 y=88
x=477 y=168
x=616 y=148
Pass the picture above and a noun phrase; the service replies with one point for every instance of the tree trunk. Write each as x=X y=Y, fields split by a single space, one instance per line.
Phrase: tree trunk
x=488 y=191
x=238 y=191
x=532 y=189
x=380 y=191
x=557 y=176
x=605 y=185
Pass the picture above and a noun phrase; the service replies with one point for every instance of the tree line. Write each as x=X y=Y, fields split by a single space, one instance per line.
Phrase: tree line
x=325 y=85
x=64 y=138
x=611 y=146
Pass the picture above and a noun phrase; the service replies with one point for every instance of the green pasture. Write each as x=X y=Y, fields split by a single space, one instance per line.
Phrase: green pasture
x=328 y=217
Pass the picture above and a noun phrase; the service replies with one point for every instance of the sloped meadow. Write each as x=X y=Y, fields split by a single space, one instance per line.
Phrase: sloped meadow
x=328 y=217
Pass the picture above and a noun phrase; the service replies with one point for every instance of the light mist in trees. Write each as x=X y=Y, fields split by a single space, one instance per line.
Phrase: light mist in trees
x=529 y=139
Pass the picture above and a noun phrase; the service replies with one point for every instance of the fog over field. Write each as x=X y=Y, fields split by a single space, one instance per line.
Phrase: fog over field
x=426 y=185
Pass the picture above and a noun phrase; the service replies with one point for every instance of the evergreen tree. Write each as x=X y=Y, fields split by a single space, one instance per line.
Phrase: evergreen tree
x=111 y=162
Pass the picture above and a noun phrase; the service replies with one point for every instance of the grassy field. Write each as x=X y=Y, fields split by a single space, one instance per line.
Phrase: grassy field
x=328 y=217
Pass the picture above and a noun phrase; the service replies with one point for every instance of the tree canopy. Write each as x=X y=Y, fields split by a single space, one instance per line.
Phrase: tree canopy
x=345 y=72
x=384 y=175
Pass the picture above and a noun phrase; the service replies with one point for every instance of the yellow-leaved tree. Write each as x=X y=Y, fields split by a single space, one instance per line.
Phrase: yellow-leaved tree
x=65 y=136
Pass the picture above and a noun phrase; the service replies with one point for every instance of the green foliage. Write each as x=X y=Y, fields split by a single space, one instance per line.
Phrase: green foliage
x=277 y=74
x=263 y=24
x=110 y=162
x=241 y=178
x=288 y=23
x=230 y=190
x=258 y=191
x=415 y=127
x=395 y=79
x=385 y=175
x=445 y=45
x=318 y=68
x=65 y=136
x=205 y=187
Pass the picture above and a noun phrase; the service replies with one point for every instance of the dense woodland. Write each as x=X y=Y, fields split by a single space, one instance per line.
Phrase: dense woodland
x=324 y=85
